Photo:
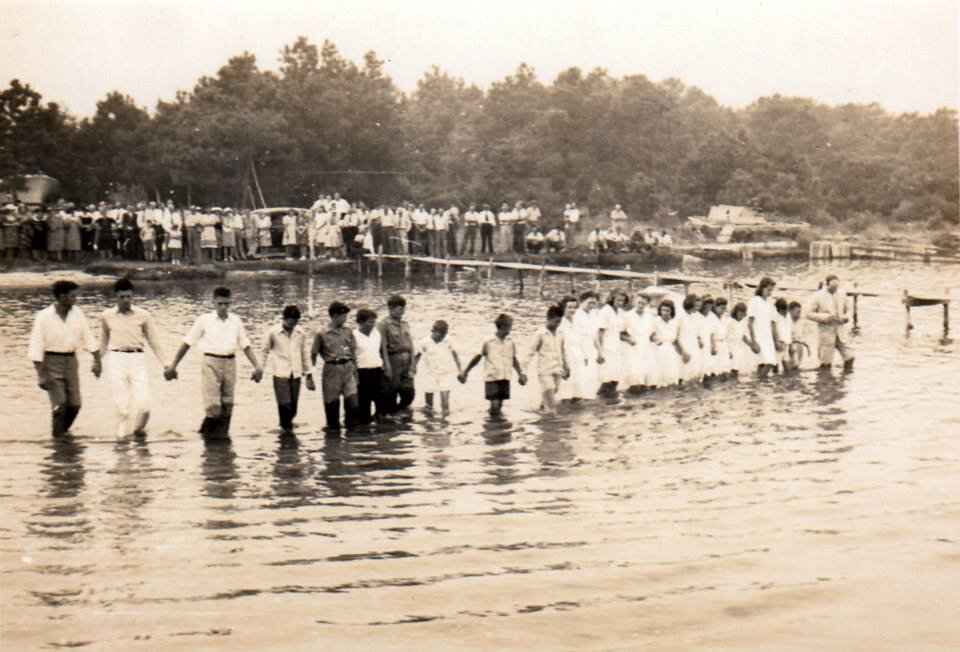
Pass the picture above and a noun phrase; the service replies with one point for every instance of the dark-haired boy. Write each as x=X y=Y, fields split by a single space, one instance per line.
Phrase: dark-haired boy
x=546 y=351
x=499 y=356
x=370 y=379
x=398 y=353
x=58 y=331
x=291 y=361
x=125 y=330
x=337 y=347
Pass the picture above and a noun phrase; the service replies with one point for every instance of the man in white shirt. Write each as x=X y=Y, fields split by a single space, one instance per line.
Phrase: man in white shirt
x=218 y=334
x=58 y=331
x=505 y=219
x=488 y=223
x=830 y=310
x=571 y=219
x=125 y=329
x=471 y=226
x=370 y=379
x=617 y=217
x=289 y=345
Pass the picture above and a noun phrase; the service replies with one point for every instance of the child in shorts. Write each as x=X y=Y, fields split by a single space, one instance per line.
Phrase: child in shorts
x=436 y=366
x=499 y=355
x=546 y=350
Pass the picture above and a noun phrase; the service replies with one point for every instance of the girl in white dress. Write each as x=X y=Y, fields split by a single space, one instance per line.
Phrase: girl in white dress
x=611 y=341
x=640 y=359
x=688 y=340
x=708 y=348
x=760 y=319
x=572 y=359
x=718 y=328
x=586 y=324
x=742 y=359
x=665 y=328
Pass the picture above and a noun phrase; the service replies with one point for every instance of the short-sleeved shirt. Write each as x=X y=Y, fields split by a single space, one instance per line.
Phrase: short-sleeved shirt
x=436 y=358
x=498 y=356
x=129 y=330
x=218 y=336
x=396 y=332
x=336 y=344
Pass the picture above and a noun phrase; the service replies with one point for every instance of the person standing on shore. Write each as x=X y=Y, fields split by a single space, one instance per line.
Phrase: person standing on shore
x=219 y=335
x=830 y=310
x=58 y=331
x=11 y=232
x=124 y=330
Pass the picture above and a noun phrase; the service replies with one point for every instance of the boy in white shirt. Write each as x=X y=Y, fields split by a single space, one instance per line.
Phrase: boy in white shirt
x=499 y=356
x=546 y=349
x=439 y=366
x=370 y=377
x=291 y=361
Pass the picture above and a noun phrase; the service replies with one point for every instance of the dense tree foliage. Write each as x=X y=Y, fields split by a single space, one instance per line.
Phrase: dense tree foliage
x=323 y=124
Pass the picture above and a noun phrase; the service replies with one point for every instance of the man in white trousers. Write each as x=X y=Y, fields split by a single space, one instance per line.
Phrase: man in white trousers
x=125 y=330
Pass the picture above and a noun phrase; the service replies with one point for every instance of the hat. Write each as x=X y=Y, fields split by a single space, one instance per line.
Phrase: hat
x=216 y=209
x=10 y=207
x=228 y=210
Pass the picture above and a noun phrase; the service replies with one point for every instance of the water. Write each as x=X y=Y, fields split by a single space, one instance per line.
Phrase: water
x=804 y=512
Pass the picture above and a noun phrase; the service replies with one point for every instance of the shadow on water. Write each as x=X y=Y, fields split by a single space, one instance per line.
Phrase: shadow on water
x=219 y=469
x=62 y=515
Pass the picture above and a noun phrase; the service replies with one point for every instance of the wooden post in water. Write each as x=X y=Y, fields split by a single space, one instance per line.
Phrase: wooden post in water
x=543 y=273
x=573 y=285
x=490 y=271
x=380 y=261
x=446 y=273
x=906 y=303
x=946 y=318
x=407 y=272
x=520 y=279
x=360 y=265
x=856 y=320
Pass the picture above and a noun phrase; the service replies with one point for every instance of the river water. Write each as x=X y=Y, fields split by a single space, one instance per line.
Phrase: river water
x=795 y=513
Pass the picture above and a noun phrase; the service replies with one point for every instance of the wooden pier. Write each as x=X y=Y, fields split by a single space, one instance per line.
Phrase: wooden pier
x=908 y=298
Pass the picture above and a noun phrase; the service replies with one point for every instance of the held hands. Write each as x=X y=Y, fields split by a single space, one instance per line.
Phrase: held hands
x=310 y=384
x=566 y=372
x=686 y=357
x=43 y=381
x=257 y=375
x=600 y=358
x=97 y=368
x=779 y=346
x=755 y=347
x=462 y=377
x=169 y=373
x=522 y=379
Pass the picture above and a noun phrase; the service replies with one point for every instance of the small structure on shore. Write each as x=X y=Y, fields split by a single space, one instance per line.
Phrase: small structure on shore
x=727 y=223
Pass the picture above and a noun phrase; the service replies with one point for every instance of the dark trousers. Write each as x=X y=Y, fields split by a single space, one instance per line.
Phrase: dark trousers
x=469 y=239
x=451 y=241
x=287 y=393
x=370 y=392
x=519 y=237
x=62 y=379
x=486 y=238
x=400 y=390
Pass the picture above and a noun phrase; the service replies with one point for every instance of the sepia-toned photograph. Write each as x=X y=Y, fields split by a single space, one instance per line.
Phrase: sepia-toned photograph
x=430 y=325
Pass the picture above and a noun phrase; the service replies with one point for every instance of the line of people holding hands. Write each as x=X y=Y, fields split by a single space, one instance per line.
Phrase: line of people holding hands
x=652 y=339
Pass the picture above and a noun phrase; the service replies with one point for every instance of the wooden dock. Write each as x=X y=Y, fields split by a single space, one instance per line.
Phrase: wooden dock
x=908 y=298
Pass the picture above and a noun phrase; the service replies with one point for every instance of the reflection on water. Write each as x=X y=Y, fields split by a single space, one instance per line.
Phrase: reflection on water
x=734 y=516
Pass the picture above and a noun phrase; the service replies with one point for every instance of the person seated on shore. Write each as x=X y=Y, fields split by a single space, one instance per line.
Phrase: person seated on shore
x=556 y=240
x=665 y=240
x=596 y=241
x=637 y=241
x=617 y=240
x=535 y=241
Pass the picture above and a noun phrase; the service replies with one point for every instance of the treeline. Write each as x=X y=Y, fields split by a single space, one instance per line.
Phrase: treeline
x=324 y=124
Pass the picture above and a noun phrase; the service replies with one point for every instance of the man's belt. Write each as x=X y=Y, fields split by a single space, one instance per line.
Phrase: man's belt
x=338 y=361
x=63 y=353
x=126 y=350
x=223 y=357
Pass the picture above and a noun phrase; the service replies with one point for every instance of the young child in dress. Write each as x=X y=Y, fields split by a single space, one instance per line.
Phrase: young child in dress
x=499 y=355
x=797 y=345
x=436 y=365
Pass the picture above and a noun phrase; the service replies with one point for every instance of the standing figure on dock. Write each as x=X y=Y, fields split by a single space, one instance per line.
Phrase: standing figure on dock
x=58 y=331
x=519 y=229
x=499 y=355
x=488 y=222
x=291 y=362
x=830 y=310
x=505 y=220
x=125 y=330
x=471 y=226
x=760 y=327
x=398 y=363
x=219 y=335
x=337 y=347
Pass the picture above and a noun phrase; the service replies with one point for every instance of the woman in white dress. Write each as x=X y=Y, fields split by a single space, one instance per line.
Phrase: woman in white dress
x=586 y=324
x=718 y=329
x=290 y=235
x=611 y=340
x=665 y=328
x=708 y=364
x=572 y=359
x=639 y=360
x=688 y=340
x=760 y=325
x=742 y=358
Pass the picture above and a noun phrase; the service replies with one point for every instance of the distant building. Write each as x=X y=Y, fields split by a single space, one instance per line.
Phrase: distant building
x=37 y=189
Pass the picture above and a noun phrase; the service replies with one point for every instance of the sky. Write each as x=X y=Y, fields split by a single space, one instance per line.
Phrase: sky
x=901 y=54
